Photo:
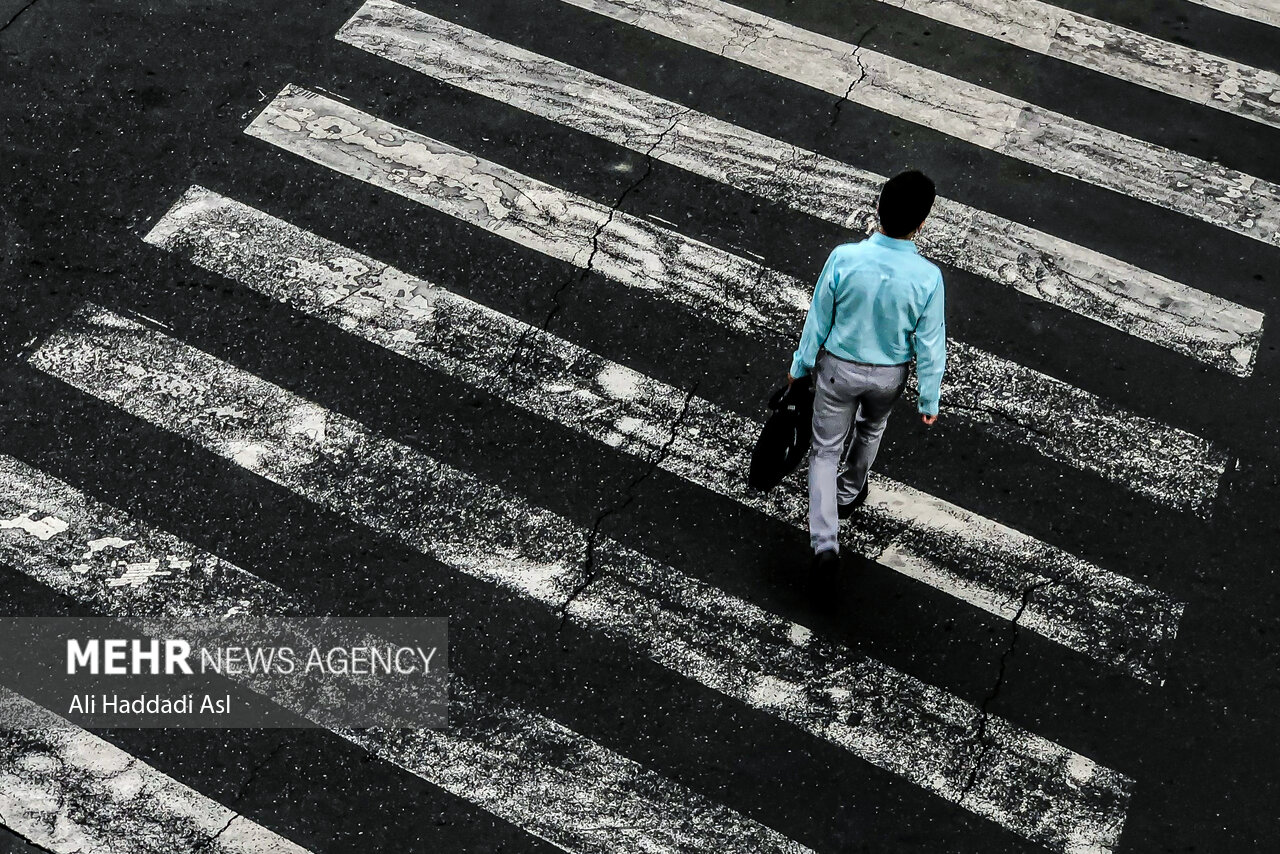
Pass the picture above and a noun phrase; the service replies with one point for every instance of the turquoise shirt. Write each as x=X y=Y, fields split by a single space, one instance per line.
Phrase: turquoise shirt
x=888 y=306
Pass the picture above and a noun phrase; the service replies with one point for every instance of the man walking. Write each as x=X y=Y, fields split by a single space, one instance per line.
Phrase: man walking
x=877 y=304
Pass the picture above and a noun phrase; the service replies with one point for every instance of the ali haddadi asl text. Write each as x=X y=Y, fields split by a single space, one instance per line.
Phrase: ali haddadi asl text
x=114 y=704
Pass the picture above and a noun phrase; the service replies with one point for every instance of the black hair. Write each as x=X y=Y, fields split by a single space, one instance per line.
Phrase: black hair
x=905 y=200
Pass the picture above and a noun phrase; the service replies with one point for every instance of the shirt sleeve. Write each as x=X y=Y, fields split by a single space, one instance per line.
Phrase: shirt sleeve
x=930 y=343
x=817 y=325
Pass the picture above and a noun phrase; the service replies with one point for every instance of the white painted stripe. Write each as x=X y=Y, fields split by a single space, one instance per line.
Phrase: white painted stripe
x=1191 y=186
x=1021 y=781
x=70 y=792
x=1142 y=304
x=982 y=562
x=1014 y=402
x=522 y=767
x=1116 y=51
x=1262 y=11
x=1151 y=307
x=564 y=787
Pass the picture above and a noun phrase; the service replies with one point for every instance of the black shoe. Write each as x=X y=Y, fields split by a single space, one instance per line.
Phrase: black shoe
x=844 y=511
x=825 y=561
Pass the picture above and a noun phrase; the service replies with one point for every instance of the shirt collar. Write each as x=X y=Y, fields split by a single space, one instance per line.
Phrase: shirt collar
x=893 y=242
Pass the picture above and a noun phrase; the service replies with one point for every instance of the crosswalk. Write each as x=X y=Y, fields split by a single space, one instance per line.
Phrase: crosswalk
x=736 y=292
x=488 y=739
x=705 y=635
x=1188 y=185
x=1120 y=52
x=1263 y=11
x=1100 y=614
x=1144 y=304
x=69 y=790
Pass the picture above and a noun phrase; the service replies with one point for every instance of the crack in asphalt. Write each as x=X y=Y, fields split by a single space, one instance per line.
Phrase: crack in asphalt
x=589 y=267
x=984 y=709
x=556 y=304
x=222 y=830
x=862 y=75
x=241 y=791
x=18 y=14
x=589 y=559
x=754 y=35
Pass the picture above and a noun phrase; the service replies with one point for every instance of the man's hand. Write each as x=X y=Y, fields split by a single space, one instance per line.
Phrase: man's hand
x=929 y=420
x=790 y=379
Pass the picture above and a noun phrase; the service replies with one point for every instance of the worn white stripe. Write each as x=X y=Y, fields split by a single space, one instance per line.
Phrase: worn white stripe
x=565 y=788
x=1021 y=781
x=1151 y=307
x=1117 y=51
x=70 y=792
x=521 y=766
x=1014 y=402
x=1191 y=186
x=982 y=562
x=1262 y=11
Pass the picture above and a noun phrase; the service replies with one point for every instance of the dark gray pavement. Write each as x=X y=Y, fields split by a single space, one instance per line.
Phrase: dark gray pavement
x=110 y=110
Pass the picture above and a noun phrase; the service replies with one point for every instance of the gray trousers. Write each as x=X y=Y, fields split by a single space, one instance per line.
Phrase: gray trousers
x=851 y=405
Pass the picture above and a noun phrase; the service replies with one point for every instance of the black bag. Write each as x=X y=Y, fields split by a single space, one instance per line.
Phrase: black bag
x=785 y=438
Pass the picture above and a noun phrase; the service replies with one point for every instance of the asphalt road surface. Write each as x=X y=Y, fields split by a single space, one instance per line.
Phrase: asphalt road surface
x=471 y=310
